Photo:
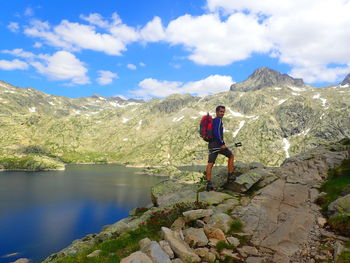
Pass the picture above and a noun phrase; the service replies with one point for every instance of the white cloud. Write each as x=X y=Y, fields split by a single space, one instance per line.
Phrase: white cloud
x=13 y=64
x=159 y=88
x=13 y=27
x=76 y=36
x=142 y=64
x=106 y=77
x=215 y=42
x=18 y=52
x=62 y=66
x=131 y=66
x=153 y=31
x=308 y=35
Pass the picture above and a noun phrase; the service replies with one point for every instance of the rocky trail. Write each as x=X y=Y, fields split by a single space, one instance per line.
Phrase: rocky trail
x=276 y=206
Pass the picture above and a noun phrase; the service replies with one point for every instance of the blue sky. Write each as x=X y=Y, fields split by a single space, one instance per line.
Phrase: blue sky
x=144 y=49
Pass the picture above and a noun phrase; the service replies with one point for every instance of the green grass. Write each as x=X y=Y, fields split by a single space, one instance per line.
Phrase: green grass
x=236 y=226
x=338 y=179
x=344 y=257
x=222 y=245
x=340 y=223
x=114 y=250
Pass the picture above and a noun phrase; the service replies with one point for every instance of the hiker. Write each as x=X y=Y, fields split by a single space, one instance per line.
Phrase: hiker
x=217 y=146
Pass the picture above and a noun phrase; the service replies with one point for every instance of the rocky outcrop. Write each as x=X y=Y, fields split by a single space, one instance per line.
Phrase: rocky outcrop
x=264 y=78
x=340 y=206
x=281 y=216
x=346 y=81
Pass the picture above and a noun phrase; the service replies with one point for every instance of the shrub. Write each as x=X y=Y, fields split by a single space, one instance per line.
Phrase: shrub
x=236 y=226
x=222 y=245
x=340 y=223
x=139 y=211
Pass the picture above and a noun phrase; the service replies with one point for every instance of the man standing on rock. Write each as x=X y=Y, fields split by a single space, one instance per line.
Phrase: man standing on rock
x=217 y=146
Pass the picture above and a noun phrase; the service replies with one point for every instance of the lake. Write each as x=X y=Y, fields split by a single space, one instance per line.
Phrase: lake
x=43 y=212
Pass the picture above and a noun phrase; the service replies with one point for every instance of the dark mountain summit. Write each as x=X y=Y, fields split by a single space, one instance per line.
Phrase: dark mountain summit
x=266 y=77
x=346 y=81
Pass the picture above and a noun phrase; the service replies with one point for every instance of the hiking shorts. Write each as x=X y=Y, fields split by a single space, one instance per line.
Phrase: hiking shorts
x=213 y=152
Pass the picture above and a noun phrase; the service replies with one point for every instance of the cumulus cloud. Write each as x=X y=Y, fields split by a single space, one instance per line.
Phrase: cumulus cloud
x=13 y=27
x=106 y=77
x=13 y=64
x=153 y=31
x=131 y=66
x=62 y=65
x=75 y=36
x=216 y=42
x=160 y=88
x=311 y=36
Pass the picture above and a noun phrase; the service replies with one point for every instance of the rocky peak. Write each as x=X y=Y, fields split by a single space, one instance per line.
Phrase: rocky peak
x=346 y=81
x=266 y=77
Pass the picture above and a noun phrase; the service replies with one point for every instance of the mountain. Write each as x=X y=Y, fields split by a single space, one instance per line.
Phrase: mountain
x=346 y=81
x=264 y=78
x=272 y=123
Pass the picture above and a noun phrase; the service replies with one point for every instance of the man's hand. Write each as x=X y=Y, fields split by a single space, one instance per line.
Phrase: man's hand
x=223 y=147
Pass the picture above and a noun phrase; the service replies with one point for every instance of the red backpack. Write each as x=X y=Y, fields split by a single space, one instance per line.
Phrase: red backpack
x=206 y=128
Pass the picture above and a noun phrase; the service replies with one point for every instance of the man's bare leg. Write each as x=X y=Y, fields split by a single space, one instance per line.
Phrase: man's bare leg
x=230 y=164
x=209 y=170
x=208 y=175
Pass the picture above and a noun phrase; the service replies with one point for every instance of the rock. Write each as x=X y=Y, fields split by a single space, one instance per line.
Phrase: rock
x=339 y=206
x=245 y=181
x=178 y=224
x=169 y=192
x=222 y=221
x=202 y=251
x=156 y=253
x=252 y=251
x=255 y=260
x=233 y=241
x=200 y=224
x=228 y=253
x=167 y=249
x=215 y=233
x=119 y=227
x=213 y=242
x=180 y=247
x=338 y=249
x=321 y=221
x=138 y=257
x=177 y=260
x=227 y=205
x=22 y=260
x=196 y=214
x=93 y=254
x=211 y=257
x=144 y=242
x=195 y=237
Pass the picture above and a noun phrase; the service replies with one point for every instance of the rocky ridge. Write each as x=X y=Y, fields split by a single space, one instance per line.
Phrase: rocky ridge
x=346 y=81
x=264 y=78
x=281 y=222
x=273 y=123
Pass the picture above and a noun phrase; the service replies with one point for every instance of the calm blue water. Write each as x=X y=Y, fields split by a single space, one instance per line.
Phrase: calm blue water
x=43 y=212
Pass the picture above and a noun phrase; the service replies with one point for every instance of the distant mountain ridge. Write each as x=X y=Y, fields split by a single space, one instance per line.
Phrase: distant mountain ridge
x=265 y=77
x=346 y=81
x=272 y=122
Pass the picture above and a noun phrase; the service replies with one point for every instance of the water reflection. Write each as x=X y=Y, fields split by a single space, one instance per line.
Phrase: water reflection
x=42 y=212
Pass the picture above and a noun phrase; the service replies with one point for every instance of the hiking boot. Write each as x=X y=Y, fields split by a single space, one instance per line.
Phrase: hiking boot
x=209 y=186
x=231 y=178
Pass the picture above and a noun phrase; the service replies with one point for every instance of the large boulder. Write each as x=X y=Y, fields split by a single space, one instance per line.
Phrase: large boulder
x=179 y=246
x=245 y=181
x=138 y=257
x=170 y=192
x=156 y=253
x=340 y=206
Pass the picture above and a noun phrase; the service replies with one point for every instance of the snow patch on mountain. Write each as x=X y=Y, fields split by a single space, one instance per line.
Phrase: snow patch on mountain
x=281 y=101
x=241 y=124
x=32 y=109
x=178 y=119
x=237 y=114
x=286 y=146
